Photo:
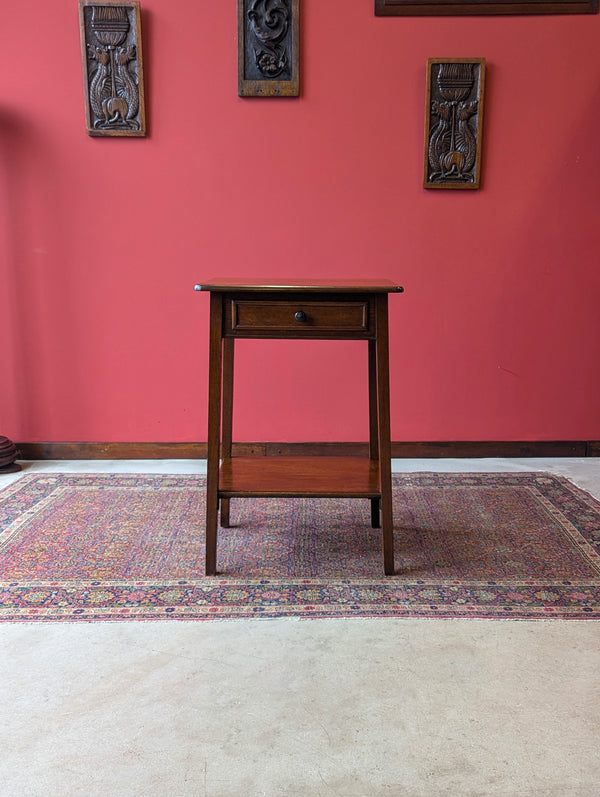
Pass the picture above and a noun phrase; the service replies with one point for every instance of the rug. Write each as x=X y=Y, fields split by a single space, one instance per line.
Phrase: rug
x=119 y=547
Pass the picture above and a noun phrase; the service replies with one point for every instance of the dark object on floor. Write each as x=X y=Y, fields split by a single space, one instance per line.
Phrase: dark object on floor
x=8 y=455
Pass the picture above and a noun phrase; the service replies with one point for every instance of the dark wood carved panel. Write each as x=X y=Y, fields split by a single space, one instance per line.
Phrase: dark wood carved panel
x=111 y=50
x=445 y=8
x=268 y=54
x=453 y=122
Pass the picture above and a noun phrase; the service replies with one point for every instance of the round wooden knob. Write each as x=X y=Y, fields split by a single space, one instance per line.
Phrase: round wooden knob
x=300 y=316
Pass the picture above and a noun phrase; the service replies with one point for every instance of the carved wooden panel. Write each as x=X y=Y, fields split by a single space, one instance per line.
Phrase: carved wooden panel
x=111 y=50
x=268 y=48
x=453 y=122
x=445 y=8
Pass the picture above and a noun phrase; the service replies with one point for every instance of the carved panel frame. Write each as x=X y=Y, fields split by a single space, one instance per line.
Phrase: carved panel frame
x=453 y=122
x=444 y=8
x=268 y=48
x=113 y=71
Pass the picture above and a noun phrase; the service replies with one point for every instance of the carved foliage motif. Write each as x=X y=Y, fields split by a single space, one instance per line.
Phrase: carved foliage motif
x=269 y=22
x=268 y=47
x=111 y=51
x=454 y=116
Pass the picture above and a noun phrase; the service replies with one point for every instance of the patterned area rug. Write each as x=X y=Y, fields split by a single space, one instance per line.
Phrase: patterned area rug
x=117 y=547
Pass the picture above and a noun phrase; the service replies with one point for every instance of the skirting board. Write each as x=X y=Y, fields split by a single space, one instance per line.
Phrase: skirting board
x=400 y=449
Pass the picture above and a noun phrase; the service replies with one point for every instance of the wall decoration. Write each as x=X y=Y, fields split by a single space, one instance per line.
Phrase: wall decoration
x=268 y=52
x=111 y=49
x=453 y=122
x=446 y=8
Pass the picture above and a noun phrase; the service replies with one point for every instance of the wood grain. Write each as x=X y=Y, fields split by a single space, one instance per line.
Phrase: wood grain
x=279 y=477
x=268 y=285
x=426 y=449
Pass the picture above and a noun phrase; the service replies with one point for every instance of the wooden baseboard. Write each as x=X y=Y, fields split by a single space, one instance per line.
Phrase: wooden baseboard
x=400 y=449
x=593 y=449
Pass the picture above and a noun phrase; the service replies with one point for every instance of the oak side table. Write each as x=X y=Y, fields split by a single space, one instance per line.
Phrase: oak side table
x=317 y=309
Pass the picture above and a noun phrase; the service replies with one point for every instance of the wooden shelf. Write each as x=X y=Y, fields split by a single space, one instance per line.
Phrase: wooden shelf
x=296 y=477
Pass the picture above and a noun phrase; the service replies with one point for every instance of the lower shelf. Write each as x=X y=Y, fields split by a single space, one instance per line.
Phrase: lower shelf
x=298 y=477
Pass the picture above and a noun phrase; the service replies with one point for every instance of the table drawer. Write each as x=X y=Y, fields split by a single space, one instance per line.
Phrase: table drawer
x=299 y=317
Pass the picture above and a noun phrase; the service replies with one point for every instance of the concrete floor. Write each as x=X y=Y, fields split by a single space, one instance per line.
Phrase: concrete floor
x=355 y=707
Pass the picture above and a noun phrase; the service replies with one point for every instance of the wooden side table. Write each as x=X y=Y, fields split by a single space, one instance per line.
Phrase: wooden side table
x=322 y=310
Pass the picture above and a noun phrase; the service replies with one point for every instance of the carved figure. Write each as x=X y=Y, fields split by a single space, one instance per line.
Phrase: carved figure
x=127 y=86
x=98 y=81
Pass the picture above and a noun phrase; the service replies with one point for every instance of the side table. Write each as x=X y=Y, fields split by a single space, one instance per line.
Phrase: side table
x=321 y=310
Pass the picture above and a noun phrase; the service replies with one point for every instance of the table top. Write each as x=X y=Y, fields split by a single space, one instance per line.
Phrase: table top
x=228 y=284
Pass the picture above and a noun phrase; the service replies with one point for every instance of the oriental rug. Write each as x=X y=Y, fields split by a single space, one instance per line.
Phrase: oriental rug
x=119 y=547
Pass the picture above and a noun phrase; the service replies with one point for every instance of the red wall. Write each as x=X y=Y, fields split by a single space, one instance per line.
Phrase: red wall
x=101 y=240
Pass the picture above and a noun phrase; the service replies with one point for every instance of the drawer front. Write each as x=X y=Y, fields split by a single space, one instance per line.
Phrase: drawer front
x=299 y=318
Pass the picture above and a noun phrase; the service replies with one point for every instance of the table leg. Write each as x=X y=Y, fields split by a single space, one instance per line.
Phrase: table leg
x=227 y=437
x=214 y=431
x=375 y=513
x=373 y=426
x=385 y=448
x=225 y=516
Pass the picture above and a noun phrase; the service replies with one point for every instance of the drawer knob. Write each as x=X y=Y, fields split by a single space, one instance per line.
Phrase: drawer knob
x=300 y=316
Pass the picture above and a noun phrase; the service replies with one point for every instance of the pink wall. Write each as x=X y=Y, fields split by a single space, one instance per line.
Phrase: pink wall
x=101 y=240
